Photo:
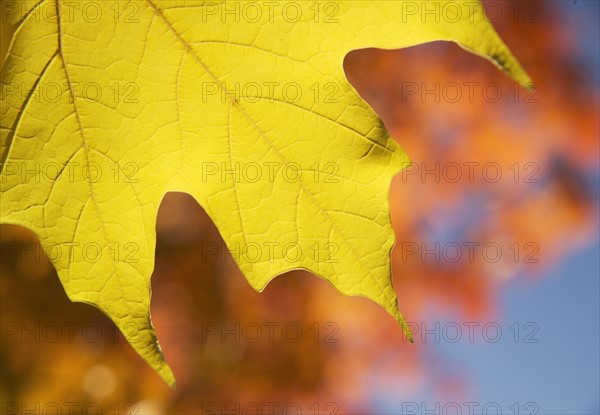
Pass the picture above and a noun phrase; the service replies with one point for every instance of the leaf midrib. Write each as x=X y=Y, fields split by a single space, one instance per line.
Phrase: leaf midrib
x=235 y=103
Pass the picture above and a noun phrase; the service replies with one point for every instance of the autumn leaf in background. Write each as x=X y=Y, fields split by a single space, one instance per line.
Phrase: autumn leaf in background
x=254 y=119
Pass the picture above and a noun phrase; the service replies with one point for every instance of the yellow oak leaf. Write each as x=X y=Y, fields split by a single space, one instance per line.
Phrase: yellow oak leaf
x=108 y=105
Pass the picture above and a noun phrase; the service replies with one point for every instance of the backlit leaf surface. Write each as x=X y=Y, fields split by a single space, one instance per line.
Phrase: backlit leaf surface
x=106 y=106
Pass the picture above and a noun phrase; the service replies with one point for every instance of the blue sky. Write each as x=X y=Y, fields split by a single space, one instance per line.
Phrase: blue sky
x=560 y=373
